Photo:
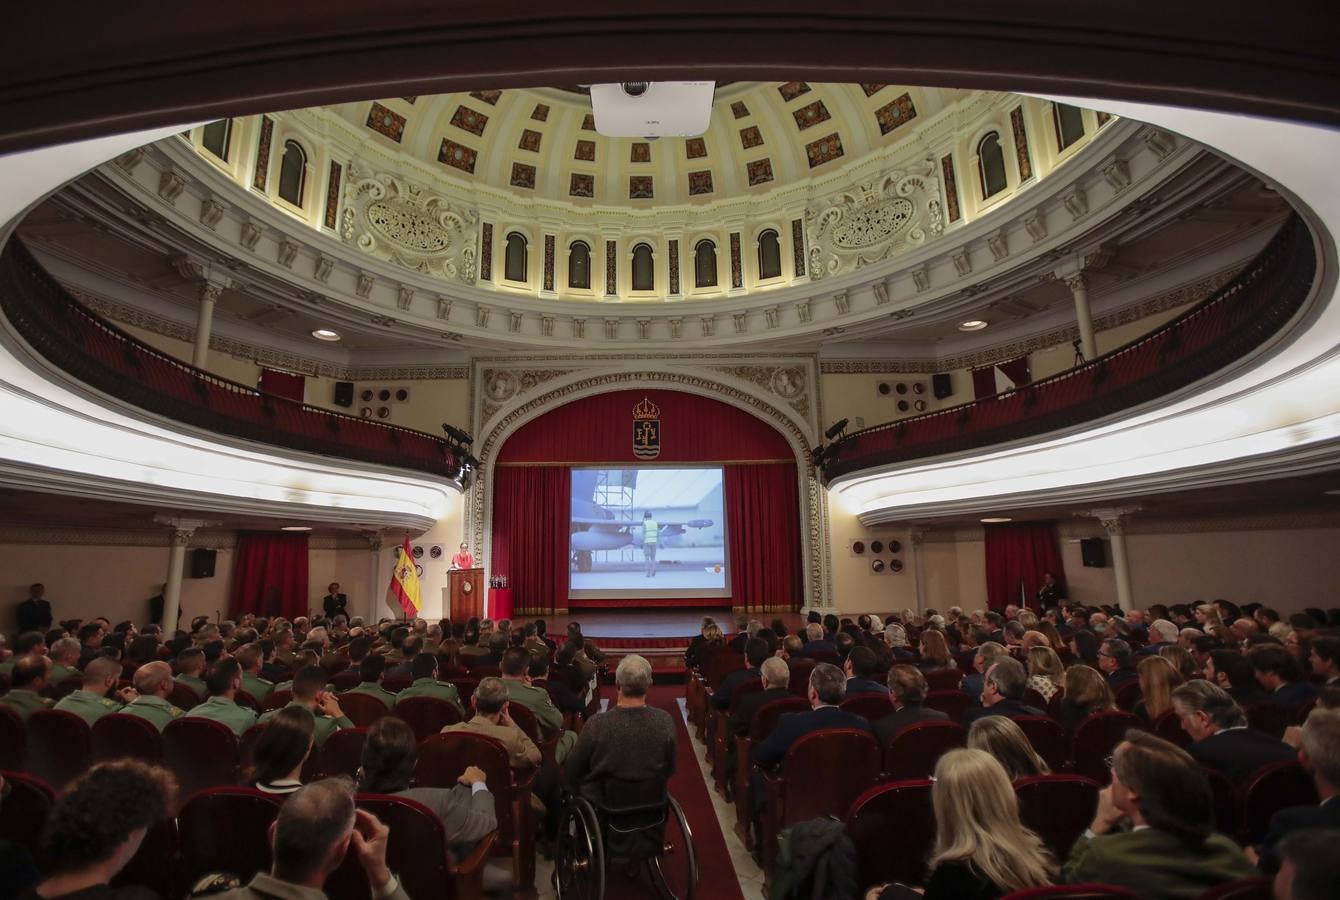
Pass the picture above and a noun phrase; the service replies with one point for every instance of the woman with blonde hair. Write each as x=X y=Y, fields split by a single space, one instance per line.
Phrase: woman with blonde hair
x=1006 y=742
x=1046 y=673
x=1181 y=659
x=1158 y=677
x=982 y=850
x=935 y=652
x=710 y=633
x=1086 y=692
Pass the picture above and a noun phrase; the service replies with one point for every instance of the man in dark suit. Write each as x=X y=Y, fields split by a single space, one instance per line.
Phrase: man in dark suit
x=741 y=636
x=827 y=686
x=334 y=603
x=1117 y=662
x=907 y=690
x=1278 y=674
x=34 y=614
x=1234 y=673
x=983 y=659
x=776 y=676
x=861 y=666
x=1003 y=693
x=816 y=642
x=1320 y=753
x=1219 y=732
x=755 y=651
x=1325 y=659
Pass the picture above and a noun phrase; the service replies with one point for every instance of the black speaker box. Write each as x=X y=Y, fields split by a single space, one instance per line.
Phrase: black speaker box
x=344 y=393
x=1094 y=552
x=942 y=385
x=202 y=562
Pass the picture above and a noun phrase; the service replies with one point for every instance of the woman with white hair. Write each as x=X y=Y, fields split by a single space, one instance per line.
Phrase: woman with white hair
x=630 y=742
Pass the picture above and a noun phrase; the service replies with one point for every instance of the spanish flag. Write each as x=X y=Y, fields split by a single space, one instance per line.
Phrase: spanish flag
x=404 y=587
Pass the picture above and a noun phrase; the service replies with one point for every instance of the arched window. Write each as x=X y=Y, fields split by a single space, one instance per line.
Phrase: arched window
x=769 y=255
x=514 y=264
x=644 y=271
x=1069 y=124
x=215 y=137
x=292 y=172
x=991 y=165
x=705 y=264
x=579 y=265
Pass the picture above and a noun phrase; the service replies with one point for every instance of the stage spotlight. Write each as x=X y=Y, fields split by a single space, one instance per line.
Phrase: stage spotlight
x=835 y=429
x=460 y=437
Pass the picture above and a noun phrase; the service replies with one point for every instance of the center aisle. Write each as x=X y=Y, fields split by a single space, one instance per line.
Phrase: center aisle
x=716 y=871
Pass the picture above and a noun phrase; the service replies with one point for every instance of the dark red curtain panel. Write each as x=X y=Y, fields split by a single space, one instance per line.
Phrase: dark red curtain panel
x=269 y=575
x=984 y=379
x=531 y=510
x=1020 y=553
x=763 y=530
x=282 y=384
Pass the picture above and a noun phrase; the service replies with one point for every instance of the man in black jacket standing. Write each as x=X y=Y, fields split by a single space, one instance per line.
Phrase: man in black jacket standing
x=334 y=603
x=35 y=613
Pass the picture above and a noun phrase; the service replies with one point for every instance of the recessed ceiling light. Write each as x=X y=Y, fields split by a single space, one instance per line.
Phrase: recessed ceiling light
x=996 y=520
x=1334 y=492
x=325 y=334
x=972 y=325
x=296 y=528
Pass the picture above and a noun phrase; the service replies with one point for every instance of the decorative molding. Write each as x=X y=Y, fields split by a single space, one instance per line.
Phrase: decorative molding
x=873 y=221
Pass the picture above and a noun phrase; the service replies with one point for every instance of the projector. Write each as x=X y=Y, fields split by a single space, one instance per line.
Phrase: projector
x=652 y=108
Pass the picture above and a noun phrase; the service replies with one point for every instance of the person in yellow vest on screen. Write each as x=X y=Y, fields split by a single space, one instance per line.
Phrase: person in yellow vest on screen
x=650 y=531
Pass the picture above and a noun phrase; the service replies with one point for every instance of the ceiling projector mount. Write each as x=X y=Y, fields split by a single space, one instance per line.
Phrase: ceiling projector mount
x=652 y=108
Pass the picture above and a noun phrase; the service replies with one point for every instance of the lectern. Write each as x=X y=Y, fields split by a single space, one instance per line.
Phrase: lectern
x=467 y=593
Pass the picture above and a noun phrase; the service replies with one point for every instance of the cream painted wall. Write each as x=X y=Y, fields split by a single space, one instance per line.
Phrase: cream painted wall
x=855 y=588
x=243 y=371
x=430 y=403
x=1050 y=361
x=852 y=396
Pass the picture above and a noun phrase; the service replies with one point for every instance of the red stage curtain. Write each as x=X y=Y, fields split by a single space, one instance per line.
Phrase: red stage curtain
x=1017 y=553
x=282 y=384
x=531 y=511
x=762 y=528
x=269 y=575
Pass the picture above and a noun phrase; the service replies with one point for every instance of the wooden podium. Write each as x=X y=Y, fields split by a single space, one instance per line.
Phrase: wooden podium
x=466 y=592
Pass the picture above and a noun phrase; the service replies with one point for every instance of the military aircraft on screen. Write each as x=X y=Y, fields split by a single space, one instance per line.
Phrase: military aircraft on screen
x=594 y=527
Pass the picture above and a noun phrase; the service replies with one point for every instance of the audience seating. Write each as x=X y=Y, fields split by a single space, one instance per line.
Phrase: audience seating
x=120 y=735
x=799 y=684
x=362 y=709
x=25 y=809
x=871 y=707
x=202 y=754
x=821 y=775
x=13 y=739
x=242 y=698
x=764 y=721
x=1096 y=736
x=1034 y=699
x=954 y=703
x=526 y=721
x=1057 y=807
x=397 y=684
x=1127 y=695
x=154 y=865
x=345 y=680
x=342 y=753
x=1258 y=888
x=719 y=736
x=426 y=715
x=442 y=759
x=59 y=746
x=184 y=697
x=913 y=752
x=944 y=679
x=1269 y=790
x=1053 y=706
x=243 y=849
x=63 y=689
x=276 y=700
x=1268 y=716
x=902 y=808
x=1048 y=739
x=1167 y=726
x=423 y=873
x=1074 y=892
x=1227 y=814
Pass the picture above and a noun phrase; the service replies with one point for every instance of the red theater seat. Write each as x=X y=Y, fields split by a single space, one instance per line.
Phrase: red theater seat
x=13 y=739
x=362 y=709
x=1048 y=739
x=1057 y=807
x=944 y=679
x=953 y=703
x=871 y=707
x=1167 y=726
x=26 y=808
x=342 y=753
x=1271 y=789
x=913 y=752
x=1096 y=736
x=901 y=808
x=184 y=697
x=59 y=746
x=426 y=715
x=800 y=676
x=1268 y=716
x=202 y=754
x=120 y=735
x=764 y=721
x=242 y=848
x=277 y=700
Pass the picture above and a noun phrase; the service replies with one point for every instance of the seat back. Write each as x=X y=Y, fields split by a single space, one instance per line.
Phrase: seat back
x=363 y=710
x=873 y=817
x=242 y=698
x=740 y=691
x=1128 y=695
x=1258 y=888
x=1271 y=789
x=1073 y=892
x=719 y=665
x=1268 y=716
x=426 y=715
x=59 y=746
x=1048 y=739
x=1057 y=807
x=443 y=757
x=953 y=703
x=202 y=754
x=397 y=684
x=342 y=753
x=913 y=752
x=184 y=697
x=826 y=770
x=416 y=851
x=120 y=735
x=799 y=684
x=13 y=739
x=766 y=718
x=26 y=808
x=1227 y=815
x=525 y=720
x=276 y=700
x=1167 y=726
x=63 y=689
x=871 y=707
x=243 y=848
x=944 y=679
x=1095 y=737
x=343 y=681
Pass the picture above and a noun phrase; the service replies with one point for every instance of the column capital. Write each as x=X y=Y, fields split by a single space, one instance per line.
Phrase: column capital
x=213 y=279
x=917 y=536
x=375 y=541
x=1077 y=282
x=182 y=528
x=1113 y=518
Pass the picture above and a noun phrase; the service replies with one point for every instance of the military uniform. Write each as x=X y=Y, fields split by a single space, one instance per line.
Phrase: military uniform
x=88 y=706
x=325 y=725
x=195 y=683
x=25 y=702
x=431 y=687
x=61 y=672
x=221 y=709
x=258 y=687
x=155 y=710
x=538 y=701
x=373 y=689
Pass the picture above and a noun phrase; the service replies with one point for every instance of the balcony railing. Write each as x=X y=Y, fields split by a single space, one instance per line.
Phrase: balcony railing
x=81 y=343
x=1236 y=319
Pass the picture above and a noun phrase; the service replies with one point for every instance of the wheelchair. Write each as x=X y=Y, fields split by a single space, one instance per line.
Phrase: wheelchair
x=635 y=829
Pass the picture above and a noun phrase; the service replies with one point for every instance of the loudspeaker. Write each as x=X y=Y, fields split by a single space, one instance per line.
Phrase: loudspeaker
x=942 y=385
x=202 y=562
x=344 y=393
x=1094 y=552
